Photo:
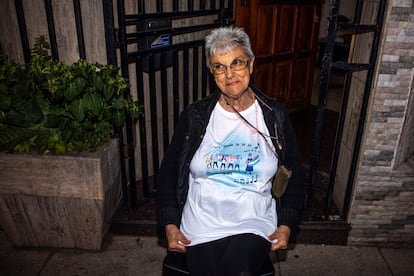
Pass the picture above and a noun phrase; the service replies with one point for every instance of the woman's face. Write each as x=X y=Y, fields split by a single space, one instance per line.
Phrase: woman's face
x=231 y=82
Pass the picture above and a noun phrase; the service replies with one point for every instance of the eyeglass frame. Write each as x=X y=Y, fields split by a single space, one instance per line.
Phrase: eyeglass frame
x=246 y=63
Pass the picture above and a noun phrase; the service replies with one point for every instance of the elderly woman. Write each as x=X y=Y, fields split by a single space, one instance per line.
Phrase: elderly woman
x=214 y=194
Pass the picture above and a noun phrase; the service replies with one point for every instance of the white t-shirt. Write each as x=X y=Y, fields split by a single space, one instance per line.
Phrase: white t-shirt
x=230 y=179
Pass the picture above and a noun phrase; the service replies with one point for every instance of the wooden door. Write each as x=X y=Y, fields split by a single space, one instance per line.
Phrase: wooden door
x=284 y=38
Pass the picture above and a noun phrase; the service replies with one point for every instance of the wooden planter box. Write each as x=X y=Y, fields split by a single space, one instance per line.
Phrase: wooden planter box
x=60 y=201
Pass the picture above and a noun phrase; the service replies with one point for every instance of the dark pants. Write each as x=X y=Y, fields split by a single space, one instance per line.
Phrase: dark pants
x=242 y=254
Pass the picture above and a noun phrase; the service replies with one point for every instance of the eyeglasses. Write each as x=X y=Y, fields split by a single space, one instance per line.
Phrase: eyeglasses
x=236 y=65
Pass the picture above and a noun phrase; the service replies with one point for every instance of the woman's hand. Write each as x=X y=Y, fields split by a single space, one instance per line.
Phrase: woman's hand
x=282 y=235
x=176 y=241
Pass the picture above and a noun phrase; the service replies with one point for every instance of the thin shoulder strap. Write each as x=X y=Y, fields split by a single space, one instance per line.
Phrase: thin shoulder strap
x=276 y=137
x=279 y=148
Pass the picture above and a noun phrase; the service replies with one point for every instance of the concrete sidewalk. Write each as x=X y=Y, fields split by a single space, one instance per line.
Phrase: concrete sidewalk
x=135 y=255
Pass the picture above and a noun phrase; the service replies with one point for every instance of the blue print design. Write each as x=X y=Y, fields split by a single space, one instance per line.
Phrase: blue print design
x=235 y=160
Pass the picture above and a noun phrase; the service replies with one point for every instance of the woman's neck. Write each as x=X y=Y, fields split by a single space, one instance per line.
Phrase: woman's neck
x=241 y=103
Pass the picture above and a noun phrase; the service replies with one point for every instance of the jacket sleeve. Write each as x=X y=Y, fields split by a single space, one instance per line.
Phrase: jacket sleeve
x=292 y=202
x=168 y=207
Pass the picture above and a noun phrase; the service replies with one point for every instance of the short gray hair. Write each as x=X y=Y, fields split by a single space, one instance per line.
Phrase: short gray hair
x=225 y=39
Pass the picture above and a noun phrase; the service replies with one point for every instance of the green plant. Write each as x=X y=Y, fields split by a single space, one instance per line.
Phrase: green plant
x=48 y=106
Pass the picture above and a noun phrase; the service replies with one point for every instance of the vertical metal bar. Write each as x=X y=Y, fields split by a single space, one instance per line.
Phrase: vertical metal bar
x=164 y=98
x=195 y=73
x=124 y=182
x=221 y=4
x=212 y=4
x=122 y=38
x=230 y=5
x=159 y=6
x=79 y=28
x=110 y=40
x=228 y=13
x=124 y=72
x=204 y=73
x=320 y=116
x=364 y=106
x=128 y=123
x=176 y=87
x=142 y=128
x=111 y=59
x=154 y=127
x=340 y=131
x=18 y=5
x=222 y=16
x=202 y=5
x=51 y=29
x=175 y=6
x=358 y=11
x=141 y=7
x=186 y=88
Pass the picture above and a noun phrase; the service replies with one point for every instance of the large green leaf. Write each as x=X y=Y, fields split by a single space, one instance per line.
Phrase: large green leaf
x=77 y=108
x=99 y=83
x=52 y=120
x=108 y=92
x=118 y=104
x=5 y=102
x=24 y=114
x=119 y=118
x=4 y=90
x=75 y=88
x=11 y=136
x=94 y=104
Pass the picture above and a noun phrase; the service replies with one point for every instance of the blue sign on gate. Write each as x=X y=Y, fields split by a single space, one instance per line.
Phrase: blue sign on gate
x=161 y=41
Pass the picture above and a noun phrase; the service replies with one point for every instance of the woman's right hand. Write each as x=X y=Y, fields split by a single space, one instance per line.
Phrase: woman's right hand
x=176 y=241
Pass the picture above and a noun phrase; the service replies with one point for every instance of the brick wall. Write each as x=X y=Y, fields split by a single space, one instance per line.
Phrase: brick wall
x=382 y=210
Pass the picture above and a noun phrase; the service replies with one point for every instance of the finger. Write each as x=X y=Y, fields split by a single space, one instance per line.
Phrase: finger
x=277 y=246
x=282 y=244
x=183 y=240
x=176 y=246
x=272 y=237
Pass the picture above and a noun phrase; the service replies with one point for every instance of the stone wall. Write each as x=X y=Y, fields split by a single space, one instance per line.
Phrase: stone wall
x=382 y=211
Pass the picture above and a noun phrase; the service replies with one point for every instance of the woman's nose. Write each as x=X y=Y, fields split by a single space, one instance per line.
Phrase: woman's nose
x=229 y=72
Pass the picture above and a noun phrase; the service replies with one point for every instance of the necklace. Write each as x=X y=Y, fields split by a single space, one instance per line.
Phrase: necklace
x=255 y=129
x=275 y=137
x=250 y=98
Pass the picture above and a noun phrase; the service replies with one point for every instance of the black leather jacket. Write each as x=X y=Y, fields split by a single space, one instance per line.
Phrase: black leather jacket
x=172 y=178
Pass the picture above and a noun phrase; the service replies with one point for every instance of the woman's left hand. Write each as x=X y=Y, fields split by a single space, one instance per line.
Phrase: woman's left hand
x=282 y=235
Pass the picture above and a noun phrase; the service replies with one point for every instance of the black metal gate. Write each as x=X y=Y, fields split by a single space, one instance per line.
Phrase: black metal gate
x=164 y=51
x=368 y=19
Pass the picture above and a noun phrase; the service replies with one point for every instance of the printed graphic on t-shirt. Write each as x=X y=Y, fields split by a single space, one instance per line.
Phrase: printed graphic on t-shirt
x=235 y=160
x=230 y=155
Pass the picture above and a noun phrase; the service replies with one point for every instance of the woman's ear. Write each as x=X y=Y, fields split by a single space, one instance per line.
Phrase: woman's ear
x=251 y=63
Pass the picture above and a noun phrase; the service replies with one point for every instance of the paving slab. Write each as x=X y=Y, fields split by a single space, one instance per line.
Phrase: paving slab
x=22 y=261
x=124 y=255
x=399 y=260
x=314 y=260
